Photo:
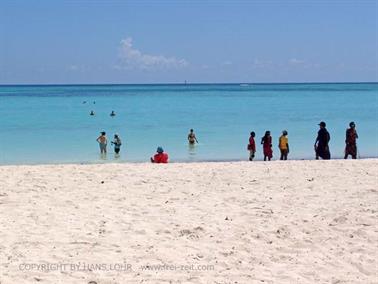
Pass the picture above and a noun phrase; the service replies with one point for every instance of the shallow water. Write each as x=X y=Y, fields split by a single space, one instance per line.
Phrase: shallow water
x=51 y=124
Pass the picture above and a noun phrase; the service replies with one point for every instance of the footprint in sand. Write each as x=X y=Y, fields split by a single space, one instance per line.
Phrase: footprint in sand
x=191 y=234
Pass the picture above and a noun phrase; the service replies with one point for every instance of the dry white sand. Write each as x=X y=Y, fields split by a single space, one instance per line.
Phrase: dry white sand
x=242 y=222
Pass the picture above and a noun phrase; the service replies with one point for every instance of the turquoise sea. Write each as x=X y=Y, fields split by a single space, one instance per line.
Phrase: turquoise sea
x=51 y=123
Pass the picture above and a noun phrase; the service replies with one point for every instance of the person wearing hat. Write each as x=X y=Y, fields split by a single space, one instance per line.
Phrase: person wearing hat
x=321 y=143
x=117 y=143
x=283 y=145
x=160 y=157
x=103 y=142
x=266 y=141
x=351 y=141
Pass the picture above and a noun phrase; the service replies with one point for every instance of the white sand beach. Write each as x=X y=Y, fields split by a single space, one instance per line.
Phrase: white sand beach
x=231 y=222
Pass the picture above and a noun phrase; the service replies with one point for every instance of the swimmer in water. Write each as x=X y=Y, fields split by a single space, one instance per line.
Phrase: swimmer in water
x=112 y=113
x=92 y=113
x=192 y=137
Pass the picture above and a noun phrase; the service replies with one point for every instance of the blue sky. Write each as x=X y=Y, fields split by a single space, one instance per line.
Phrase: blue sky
x=46 y=42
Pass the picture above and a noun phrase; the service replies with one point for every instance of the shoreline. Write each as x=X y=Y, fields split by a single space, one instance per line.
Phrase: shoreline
x=115 y=162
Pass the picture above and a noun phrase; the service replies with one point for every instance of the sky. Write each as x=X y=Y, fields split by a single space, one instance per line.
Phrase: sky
x=156 y=41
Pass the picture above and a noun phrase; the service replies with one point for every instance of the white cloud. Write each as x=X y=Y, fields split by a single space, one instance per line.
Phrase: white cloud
x=132 y=58
x=73 y=67
x=295 y=61
x=227 y=63
x=262 y=64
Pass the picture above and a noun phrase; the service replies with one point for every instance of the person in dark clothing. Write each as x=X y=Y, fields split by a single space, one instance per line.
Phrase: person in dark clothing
x=117 y=143
x=266 y=141
x=321 y=143
x=351 y=141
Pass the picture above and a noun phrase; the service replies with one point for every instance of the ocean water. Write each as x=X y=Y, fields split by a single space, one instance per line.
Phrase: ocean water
x=51 y=124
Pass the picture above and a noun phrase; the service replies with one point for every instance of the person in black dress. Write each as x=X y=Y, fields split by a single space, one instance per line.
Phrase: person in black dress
x=322 y=143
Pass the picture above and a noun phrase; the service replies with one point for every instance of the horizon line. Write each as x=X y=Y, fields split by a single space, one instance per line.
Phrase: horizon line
x=185 y=83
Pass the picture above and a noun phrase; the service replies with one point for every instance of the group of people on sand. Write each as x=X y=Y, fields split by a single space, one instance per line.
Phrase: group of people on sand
x=266 y=141
x=321 y=145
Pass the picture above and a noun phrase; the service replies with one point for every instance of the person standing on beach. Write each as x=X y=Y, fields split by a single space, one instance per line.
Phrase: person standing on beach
x=283 y=145
x=160 y=157
x=321 y=143
x=252 y=146
x=117 y=143
x=351 y=141
x=103 y=142
x=266 y=141
x=192 y=137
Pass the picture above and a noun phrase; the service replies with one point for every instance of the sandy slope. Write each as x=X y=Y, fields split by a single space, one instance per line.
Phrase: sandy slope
x=276 y=222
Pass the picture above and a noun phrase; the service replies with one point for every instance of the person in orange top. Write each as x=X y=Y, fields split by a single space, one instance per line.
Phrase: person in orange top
x=160 y=157
x=252 y=146
x=283 y=144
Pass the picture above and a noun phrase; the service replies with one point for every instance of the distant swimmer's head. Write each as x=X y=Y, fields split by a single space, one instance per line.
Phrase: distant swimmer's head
x=284 y=132
x=253 y=134
x=160 y=149
x=352 y=124
x=103 y=133
x=322 y=124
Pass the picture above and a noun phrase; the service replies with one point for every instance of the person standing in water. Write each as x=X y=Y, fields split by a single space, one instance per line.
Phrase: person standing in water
x=192 y=137
x=266 y=141
x=252 y=146
x=322 y=143
x=103 y=142
x=351 y=141
x=117 y=143
x=283 y=145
